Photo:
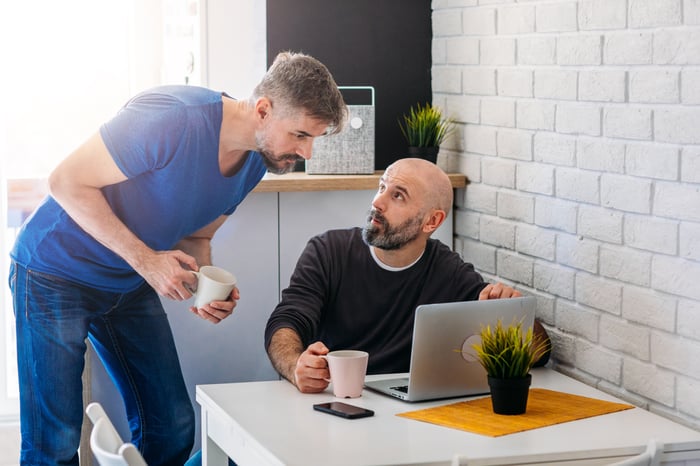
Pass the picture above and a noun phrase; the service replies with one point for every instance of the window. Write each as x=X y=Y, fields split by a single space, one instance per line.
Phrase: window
x=67 y=67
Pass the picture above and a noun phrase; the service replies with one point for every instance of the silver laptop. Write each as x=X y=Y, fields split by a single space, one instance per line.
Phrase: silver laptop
x=443 y=362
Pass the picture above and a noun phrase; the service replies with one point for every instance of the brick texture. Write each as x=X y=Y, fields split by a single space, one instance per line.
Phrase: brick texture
x=578 y=129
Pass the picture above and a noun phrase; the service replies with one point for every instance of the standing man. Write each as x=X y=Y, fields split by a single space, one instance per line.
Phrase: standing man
x=131 y=213
x=358 y=288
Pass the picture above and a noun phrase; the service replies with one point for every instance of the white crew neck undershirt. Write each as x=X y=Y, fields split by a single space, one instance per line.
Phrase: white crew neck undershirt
x=390 y=268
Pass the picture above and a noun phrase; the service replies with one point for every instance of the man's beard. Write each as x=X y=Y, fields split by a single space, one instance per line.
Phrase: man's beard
x=277 y=164
x=387 y=237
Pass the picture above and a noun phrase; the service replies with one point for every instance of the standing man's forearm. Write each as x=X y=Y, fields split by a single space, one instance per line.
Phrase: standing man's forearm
x=89 y=209
x=198 y=244
x=76 y=185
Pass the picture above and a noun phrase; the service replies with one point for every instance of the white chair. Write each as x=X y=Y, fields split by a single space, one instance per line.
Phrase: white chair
x=106 y=444
x=649 y=457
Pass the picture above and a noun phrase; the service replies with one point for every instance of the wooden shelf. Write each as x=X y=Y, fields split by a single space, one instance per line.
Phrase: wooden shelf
x=301 y=181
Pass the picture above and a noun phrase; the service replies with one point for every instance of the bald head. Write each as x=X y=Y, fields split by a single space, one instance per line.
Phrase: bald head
x=434 y=185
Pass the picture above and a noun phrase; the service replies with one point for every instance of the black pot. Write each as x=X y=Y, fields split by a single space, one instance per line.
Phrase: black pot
x=427 y=153
x=509 y=396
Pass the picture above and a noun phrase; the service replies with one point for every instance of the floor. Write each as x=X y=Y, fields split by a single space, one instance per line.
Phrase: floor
x=9 y=445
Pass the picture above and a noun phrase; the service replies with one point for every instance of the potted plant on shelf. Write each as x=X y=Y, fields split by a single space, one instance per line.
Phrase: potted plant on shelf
x=424 y=128
x=508 y=355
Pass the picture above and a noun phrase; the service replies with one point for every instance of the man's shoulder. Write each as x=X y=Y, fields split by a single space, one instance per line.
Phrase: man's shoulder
x=439 y=247
x=439 y=254
x=177 y=94
x=341 y=234
x=340 y=239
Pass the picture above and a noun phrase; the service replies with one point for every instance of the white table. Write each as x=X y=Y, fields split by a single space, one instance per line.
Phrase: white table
x=271 y=423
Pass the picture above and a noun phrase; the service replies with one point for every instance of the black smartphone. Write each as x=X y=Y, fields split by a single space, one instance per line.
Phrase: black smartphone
x=345 y=410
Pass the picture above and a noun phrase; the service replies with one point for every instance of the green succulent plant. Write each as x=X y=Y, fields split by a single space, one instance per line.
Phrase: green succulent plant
x=506 y=353
x=425 y=126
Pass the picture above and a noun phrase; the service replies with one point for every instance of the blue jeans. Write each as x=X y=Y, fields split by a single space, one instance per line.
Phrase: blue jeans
x=132 y=337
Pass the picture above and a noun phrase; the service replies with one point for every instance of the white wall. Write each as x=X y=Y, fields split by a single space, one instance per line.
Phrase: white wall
x=236 y=45
x=579 y=130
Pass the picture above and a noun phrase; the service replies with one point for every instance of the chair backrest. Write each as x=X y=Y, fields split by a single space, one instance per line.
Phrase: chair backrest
x=649 y=457
x=109 y=449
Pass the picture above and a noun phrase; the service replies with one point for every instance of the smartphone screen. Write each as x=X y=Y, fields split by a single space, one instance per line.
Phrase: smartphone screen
x=345 y=410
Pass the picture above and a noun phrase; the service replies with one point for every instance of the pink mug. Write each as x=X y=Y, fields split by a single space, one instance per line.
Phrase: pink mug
x=348 y=369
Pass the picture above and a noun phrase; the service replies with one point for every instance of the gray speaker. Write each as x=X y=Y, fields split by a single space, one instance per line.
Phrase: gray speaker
x=351 y=151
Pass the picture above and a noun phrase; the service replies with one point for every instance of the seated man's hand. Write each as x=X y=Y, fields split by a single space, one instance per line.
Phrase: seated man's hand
x=311 y=372
x=498 y=291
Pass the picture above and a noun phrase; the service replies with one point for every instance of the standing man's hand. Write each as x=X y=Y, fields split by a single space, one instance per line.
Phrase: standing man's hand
x=216 y=311
x=169 y=273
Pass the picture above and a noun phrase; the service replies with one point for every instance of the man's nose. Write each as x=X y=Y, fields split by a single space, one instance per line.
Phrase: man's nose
x=378 y=202
x=305 y=149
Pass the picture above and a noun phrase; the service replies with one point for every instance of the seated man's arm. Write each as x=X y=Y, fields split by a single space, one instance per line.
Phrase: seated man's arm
x=284 y=350
x=304 y=368
x=498 y=291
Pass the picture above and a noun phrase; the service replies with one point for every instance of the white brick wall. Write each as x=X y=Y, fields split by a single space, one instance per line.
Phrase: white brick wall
x=555 y=149
x=577 y=252
x=557 y=214
x=627 y=48
x=579 y=130
x=652 y=161
x=627 y=122
x=516 y=83
x=497 y=231
x=602 y=85
x=626 y=265
x=532 y=241
x=654 y=86
x=690 y=241
x=578 y=320
x=605 y=155
x=644 y=306
x=535 y=178
x=625 y=193
x=654 y=234
x=600 y=223
x=535 y=114
x=636 y=376
x=598 y=293
x=619 y=335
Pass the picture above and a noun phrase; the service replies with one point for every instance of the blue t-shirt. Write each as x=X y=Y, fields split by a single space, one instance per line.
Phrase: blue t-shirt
x=166 y=141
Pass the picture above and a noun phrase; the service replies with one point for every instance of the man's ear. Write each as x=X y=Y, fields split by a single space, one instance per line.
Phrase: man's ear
x=263 y=106
x=435 y=219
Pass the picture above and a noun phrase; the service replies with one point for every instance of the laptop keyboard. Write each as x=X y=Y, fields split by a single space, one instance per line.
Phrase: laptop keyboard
x=401 y=388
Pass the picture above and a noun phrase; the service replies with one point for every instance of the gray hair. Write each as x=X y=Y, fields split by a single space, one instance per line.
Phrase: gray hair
x=297 y=81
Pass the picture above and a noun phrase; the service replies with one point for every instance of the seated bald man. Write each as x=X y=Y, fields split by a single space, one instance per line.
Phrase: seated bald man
x=359 y=288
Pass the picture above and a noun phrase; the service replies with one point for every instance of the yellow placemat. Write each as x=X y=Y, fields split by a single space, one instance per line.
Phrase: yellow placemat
x=544 y=408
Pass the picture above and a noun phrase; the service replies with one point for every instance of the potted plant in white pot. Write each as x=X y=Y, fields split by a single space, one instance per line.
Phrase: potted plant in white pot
x=507 y=354
x=424 y=128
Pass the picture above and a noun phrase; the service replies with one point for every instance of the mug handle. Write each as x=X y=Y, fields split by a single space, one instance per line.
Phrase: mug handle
x=193 y=291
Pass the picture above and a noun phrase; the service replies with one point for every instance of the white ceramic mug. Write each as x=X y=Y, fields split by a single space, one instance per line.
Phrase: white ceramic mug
x=348 y=369
x=213 y=284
